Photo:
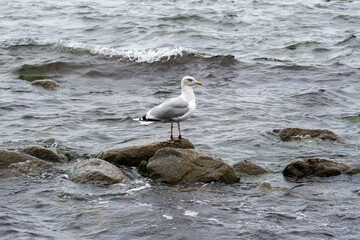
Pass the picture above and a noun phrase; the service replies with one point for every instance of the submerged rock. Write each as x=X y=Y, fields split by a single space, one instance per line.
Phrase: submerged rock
x=316 y=167
x=249 y=168
x=266 y=186
x=354 y=118
x=298 y=134
x=171 y=165
x=34 y=168
x=6 y=173
x=98 y=172
x=45 y=154
x=132 y=156
x=47 y=84
x=9 y=157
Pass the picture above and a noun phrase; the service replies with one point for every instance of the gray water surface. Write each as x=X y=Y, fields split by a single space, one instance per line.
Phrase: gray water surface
x=264 y=65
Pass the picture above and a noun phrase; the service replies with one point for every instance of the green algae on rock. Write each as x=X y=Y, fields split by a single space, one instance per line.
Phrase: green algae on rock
x=142 y=169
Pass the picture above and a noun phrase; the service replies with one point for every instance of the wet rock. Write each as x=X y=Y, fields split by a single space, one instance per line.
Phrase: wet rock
x=298 y=134
x=171 y=165
x=98 y=172
x=132 y=156
x=45 y=154
x=47 y=84
x=248 y=168
x=316 y=167
x=9 y=157
x=34 y=168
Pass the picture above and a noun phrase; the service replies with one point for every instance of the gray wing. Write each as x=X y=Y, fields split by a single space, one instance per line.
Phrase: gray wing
x=168 y=110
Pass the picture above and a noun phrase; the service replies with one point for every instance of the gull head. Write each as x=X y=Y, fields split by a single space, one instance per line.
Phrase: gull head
x=189 y=81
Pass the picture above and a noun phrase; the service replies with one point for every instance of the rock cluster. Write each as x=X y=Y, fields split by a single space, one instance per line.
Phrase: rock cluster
x=172 y=162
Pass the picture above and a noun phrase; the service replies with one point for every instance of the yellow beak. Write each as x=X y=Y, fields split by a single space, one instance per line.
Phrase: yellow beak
x=199 y=83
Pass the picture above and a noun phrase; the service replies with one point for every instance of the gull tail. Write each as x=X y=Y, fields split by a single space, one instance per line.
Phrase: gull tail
x=145 y=121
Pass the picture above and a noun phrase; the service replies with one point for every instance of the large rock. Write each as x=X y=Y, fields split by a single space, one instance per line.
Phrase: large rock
x=34 y=168
x=132 y=156
x=318 y=167
x=9 y=157
x=248 y=168
x=45 y=154
x=98 y=172
x=298 y=134
x=170 y=165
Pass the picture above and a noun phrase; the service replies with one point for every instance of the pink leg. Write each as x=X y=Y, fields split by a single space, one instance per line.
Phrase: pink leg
x=180 y=137
x=171 y=132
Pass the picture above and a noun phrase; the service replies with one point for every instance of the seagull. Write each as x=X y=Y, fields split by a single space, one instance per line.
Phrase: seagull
x=175 y=109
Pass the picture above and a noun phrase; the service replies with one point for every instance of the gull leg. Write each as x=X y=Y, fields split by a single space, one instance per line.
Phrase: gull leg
x=180 y=137
x=171 y=132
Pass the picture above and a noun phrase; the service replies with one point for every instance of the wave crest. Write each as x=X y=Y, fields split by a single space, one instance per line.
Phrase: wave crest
x=141 y=56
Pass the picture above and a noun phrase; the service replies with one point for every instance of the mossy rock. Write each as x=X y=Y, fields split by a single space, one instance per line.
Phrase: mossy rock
x=142 y=169
x=355 y=118
x=66 y=153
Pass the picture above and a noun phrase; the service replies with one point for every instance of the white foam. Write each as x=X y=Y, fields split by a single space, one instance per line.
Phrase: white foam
x=215 y=220
x=145 y=205
x=133 y=190
x=191 y=213
x=300 y=216
x=149 y=55
x=168 y=217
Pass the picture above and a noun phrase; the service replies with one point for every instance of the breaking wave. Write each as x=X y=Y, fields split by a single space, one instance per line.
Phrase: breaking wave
x=149 y=55
x=174 y=54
